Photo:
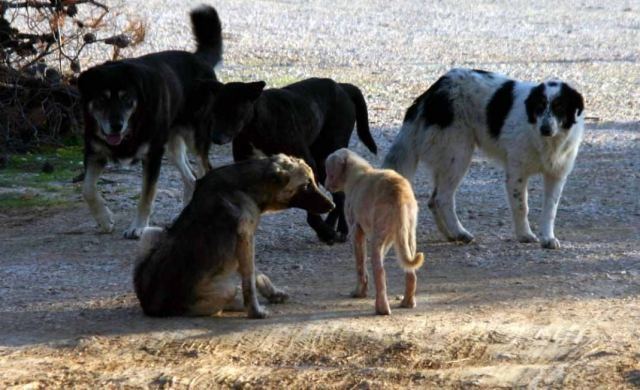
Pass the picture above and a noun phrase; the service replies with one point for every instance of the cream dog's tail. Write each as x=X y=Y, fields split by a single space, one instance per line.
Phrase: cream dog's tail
x=405 y=242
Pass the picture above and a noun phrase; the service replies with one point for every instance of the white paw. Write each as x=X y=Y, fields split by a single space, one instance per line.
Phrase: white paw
x=105 y=220
x=134 y=232
x=527 y=238
x=550 y=243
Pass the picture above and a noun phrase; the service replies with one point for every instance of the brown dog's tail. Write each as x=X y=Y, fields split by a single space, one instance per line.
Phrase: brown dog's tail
x=362 y=116
x=406 y=242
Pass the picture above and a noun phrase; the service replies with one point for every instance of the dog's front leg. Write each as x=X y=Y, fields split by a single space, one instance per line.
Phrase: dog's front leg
x=100 y=212
x=246 y=267
x=151 y=170
x=552 y=191
x=518 y=200
x=360 y=253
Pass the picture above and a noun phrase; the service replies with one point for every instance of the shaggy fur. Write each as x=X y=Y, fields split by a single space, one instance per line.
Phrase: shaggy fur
x=189 y=268
x=308 y=119
x=379 y=205
x=134 y=108
x=529 y=128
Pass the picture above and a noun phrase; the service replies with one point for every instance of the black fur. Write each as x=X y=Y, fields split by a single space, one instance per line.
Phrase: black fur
x=567 y=105
x=535 y=103
x=160 y=90
x=499 y=107
x=308 y=119
x=164 y=83
x=435 y=103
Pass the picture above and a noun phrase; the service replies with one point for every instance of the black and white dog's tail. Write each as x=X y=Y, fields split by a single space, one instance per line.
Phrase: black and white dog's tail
x=207 y=30
x=404 y=155
x=362 y=116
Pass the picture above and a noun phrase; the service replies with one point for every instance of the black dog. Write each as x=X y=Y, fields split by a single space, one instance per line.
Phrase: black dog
x=309 y=119
x=135 y=107
x=189 y=268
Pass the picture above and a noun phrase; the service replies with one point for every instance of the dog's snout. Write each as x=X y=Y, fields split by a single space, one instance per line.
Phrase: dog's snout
x=116 y=126
x=545 y=130
x=312 y=200
x=220 y=138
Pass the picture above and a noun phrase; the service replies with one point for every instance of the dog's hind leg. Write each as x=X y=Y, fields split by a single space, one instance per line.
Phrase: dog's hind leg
x=151 y=171
x=100 y=212
x=449 y=164
x=378 y=250
x=214 y=295
x=178 y=156
x=267 y=289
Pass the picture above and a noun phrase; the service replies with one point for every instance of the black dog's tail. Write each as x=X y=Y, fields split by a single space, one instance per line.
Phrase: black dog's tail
x=208 y=32
x=362 y=116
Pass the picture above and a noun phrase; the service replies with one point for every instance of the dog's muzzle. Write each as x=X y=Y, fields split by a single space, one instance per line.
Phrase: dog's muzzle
x=220 y=139
x=312 y=200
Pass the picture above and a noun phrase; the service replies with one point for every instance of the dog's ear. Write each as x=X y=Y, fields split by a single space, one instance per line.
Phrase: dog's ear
x=535 y=103
x=86 y=81
x=211 y=86
x=254 y=89
x=279 y=176
x=573 y=104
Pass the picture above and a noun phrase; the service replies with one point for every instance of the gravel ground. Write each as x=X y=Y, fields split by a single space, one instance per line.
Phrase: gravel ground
x=491 y=314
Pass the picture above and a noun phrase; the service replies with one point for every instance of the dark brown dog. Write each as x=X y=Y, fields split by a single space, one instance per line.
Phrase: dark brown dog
x=189 y=268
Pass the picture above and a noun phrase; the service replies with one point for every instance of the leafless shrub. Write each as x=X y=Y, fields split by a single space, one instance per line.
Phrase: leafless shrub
x=44 y=45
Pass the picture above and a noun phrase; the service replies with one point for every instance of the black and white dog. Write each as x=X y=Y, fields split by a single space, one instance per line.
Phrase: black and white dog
x=134 y=108
x=530 y=128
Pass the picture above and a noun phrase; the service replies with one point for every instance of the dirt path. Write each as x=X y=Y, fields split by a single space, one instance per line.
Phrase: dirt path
x=491 y=314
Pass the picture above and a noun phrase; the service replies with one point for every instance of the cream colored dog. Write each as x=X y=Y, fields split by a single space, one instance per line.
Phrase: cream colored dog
x=379 y=205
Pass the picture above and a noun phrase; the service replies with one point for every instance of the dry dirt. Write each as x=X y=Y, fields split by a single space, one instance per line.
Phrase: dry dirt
x=494 y=313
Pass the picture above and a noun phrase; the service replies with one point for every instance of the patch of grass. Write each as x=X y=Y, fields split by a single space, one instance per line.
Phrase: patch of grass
x=281 y=81
x=24 y=184
x=15 y=200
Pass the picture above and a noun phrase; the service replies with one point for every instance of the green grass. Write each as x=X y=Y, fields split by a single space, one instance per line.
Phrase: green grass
x=24 y=184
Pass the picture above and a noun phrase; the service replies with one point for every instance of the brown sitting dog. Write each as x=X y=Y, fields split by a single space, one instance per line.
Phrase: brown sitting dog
x=379 y=205
x=189 y=268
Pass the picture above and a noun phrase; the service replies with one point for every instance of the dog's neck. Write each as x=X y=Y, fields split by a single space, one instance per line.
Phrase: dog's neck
x=353 y=172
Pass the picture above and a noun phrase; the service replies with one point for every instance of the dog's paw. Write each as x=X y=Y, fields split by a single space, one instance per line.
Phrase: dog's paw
x=550 y=243
x=359 y=292
x=341 y=237
x=328 y=239
x=278 y=296
x=408 y=303
x=134 y=232
x=527 y=238
x=462 y=237
x=383 y=309
x=257 y=313
x=105 y=221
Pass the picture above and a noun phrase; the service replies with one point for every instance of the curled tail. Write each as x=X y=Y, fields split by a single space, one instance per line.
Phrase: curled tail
x=207 y=30
x=362 y=116
x=405 y=242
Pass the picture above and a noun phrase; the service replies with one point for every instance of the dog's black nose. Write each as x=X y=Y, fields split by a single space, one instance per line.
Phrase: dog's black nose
x=545 y=130
x=116 y=127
